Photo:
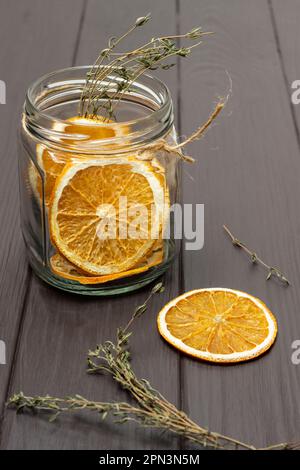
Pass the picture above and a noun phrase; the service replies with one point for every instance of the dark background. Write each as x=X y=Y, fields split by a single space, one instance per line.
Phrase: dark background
x=247 y=175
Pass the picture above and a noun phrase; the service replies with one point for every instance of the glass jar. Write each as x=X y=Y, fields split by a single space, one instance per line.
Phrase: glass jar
x=96 y=194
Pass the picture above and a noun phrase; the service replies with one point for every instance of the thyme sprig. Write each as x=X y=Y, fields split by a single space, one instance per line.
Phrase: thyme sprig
x=151 y=409
x=113 y=72
x=272 y=271
x=158 y=413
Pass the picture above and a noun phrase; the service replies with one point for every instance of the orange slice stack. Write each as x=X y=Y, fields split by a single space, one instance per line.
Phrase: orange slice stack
x=96 y=209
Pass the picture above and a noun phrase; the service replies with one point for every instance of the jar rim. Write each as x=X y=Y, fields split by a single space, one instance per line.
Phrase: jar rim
x=64 y=86
x=38 y=82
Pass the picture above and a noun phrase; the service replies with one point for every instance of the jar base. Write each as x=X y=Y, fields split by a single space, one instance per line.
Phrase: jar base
x=117 y=287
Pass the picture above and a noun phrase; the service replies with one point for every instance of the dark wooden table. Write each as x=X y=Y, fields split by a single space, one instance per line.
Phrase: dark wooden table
x=248 y=176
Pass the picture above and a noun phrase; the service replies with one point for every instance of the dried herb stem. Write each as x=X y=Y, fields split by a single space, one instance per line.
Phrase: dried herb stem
x=139 y=72
x=160 y=415
x=167 y=419
x=101 y=89
x=113 y=43
x=272 y=271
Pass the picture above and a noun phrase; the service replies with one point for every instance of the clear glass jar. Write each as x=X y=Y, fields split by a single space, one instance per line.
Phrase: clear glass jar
x=76 y=174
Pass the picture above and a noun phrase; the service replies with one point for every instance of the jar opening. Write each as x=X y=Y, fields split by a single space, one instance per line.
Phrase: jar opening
x=144 y=114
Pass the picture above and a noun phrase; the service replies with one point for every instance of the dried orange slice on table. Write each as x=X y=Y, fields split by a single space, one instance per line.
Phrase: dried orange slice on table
x=88 y=193
x=218 y=325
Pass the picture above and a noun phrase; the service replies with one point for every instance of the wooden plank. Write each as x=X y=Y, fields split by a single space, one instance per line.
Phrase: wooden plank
x=59 y=329
x=247 y=176
x=286 y=17
x=29 y=34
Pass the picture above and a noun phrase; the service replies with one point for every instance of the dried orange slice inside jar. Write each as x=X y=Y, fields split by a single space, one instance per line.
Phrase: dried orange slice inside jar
x=90 y=214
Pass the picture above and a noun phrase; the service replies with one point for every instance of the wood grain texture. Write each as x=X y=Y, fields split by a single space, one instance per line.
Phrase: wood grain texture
x=59 y=329
x=247 y=176
x=286 y=18
x=34 y=41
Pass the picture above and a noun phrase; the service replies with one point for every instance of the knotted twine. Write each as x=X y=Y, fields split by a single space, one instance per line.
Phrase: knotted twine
x=198 y=133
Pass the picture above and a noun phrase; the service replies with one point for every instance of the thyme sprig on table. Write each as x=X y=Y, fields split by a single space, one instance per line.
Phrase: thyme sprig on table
x=272 y=271
x=151 y=409
x=114 y=72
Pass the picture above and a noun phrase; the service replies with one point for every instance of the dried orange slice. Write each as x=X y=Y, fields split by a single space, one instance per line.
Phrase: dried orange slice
x=51 y=163
x=94 y=129
x=63 y=268
x=218 y=325
x=86 y=199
